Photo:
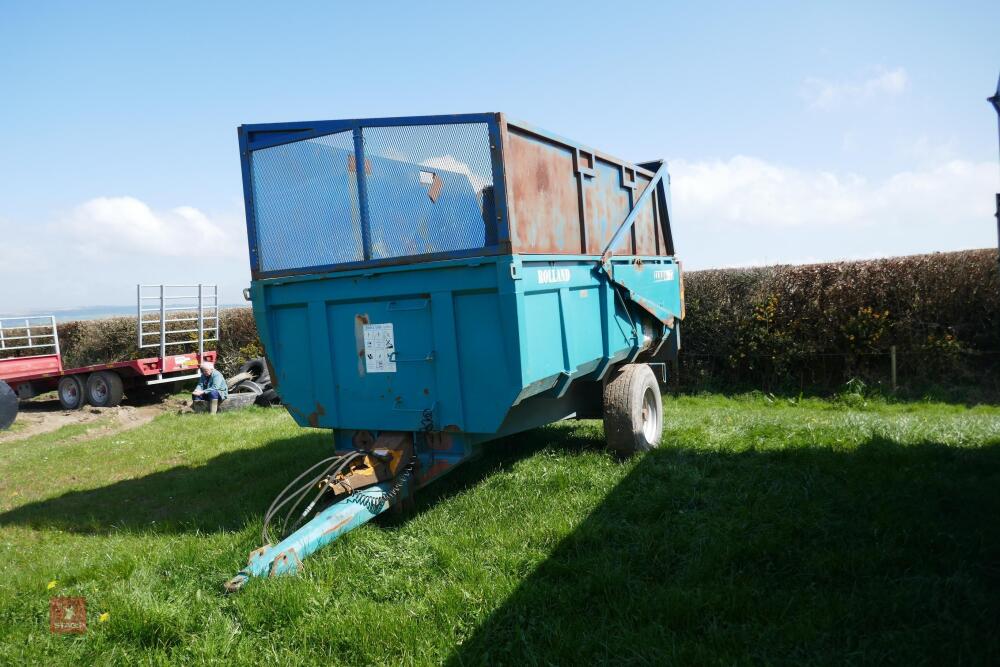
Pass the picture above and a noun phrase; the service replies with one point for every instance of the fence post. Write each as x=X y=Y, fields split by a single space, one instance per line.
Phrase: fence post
x=201 y=327
x=138 y=312
x=163 y=334
x=55 y=337
x=892 y=357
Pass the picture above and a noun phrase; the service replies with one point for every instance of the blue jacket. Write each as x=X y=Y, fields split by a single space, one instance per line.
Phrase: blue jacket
x=214 y=381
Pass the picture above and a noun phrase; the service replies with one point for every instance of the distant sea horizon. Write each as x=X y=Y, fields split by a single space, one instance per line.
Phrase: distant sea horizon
x=95 y=312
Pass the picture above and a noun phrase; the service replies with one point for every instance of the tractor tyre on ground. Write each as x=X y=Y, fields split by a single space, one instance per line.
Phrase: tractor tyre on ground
x=71 y=392
x=248 y=387
x=236 y=379
x=8 y=406
x=104 y=389
x=257 y=369
x=237 y=402
x=633 y=410
x=269 y=397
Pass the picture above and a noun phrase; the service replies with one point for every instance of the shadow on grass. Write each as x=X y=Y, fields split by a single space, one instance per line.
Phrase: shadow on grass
x=887 y=552
x=221 y=494
x=233 y=489
x=49 y=401
x=808 y=555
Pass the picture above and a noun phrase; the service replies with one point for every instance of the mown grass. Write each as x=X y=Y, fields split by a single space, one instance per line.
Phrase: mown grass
x=763 y=530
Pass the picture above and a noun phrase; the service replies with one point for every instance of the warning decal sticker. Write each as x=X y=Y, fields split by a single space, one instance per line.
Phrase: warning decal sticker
x=380 y=348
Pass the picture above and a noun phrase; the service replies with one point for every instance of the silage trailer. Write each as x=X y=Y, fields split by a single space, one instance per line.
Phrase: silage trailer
x=175 y=320
x=424 y=285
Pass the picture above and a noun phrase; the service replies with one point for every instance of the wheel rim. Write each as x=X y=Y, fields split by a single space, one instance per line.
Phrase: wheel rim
x=100 y=391
x=650 y=416
x=70 y=394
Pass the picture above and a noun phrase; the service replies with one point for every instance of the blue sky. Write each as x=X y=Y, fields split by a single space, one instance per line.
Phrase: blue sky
x=795 y=132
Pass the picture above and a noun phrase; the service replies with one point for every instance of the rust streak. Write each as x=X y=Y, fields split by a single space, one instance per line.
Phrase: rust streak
x=435 y=190
x=352 y=165
x=545 y=201
x=334 y=528
x=440 y=442
x=316 y=414
x=360 y=320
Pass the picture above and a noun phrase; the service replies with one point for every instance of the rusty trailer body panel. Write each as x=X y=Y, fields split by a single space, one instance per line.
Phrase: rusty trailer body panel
x=568 y=199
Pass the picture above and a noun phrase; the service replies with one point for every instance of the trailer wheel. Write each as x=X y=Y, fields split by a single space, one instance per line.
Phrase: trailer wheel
x=104 y=389
x=8 y=406
x=633 y=410
x=71 y=392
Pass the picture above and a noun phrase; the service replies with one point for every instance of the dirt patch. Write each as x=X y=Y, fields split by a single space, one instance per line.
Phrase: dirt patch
x=45 y=415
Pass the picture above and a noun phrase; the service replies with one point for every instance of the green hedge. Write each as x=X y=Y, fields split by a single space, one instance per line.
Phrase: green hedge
x=815 y=327
x=780 y=328
x=86 y=342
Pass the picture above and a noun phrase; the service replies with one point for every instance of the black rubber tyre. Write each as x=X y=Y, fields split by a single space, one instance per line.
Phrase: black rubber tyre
x=71 y=392
x=104 y=389
x=633 y=410
x=248 y=387
x=256 y=368
x=269 y=397
x=236 y=402
x=231 y=382
x=8 y=406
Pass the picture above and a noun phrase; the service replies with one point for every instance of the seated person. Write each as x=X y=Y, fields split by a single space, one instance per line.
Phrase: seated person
x=211 y=387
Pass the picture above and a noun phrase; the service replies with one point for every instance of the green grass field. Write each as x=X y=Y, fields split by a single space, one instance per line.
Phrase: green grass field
x=762 y=531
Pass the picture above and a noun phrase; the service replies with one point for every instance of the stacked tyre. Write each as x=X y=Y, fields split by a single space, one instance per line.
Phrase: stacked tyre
x=253 y=377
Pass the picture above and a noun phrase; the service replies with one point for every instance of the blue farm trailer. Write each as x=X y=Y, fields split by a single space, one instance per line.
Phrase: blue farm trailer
x=423 y=285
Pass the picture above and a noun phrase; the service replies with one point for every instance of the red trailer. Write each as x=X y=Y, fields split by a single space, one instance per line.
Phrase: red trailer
x=183 y=318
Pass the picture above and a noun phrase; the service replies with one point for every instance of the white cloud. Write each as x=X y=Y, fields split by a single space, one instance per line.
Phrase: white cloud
x=926 y=151
x=97 y=252
x=827 y=95
x=126 y=224
x=749 y=191
x=749 y=211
